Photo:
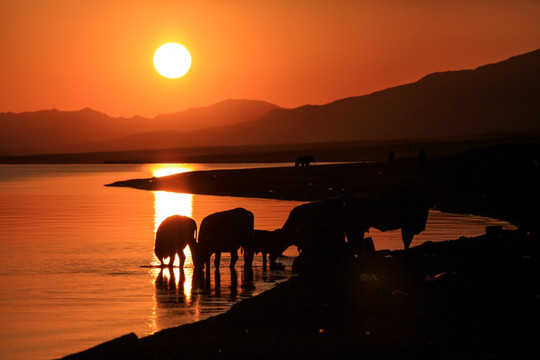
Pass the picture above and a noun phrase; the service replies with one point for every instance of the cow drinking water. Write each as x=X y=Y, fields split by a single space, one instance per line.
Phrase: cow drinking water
x=271 y=243
x=172 y=236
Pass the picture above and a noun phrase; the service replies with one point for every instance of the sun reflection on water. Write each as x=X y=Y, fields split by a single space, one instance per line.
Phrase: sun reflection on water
x=170 y=203
x=160 y=170
x=165 y=205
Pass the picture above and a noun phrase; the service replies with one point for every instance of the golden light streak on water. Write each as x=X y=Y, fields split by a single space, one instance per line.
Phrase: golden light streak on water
x=169 y=203
x=160 y=170
x=152 y=321
x=188 y=283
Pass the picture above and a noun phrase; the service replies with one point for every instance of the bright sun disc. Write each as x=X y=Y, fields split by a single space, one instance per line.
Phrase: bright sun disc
x=172 y=60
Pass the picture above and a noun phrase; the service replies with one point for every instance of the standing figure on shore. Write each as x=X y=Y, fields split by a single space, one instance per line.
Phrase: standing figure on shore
x=172 y=236
x=391 y=157
x=422 y=159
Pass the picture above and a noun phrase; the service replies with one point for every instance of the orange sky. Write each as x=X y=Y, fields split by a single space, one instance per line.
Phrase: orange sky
x=74 y=54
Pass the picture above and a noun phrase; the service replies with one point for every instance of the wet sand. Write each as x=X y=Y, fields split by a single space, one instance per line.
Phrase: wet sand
x=466 y=298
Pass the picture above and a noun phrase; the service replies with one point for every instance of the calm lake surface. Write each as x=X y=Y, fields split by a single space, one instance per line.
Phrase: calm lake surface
x=76 y=259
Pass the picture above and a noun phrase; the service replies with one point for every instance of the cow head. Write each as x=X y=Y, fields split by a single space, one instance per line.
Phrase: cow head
x=196 y=255
x=279 y=244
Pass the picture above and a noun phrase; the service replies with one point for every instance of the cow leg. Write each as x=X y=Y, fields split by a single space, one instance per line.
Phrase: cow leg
x=264 y=260
x=217 y=259
x=248 y=258
x=182 y=257
x=273 y=261
x=171 y=260
x=355 y=239
x=407 y=237
x=234 y=258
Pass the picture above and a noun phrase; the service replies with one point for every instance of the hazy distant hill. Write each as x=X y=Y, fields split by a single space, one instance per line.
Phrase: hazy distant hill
x=498 y=98
x=51 y=130
x=221 y=114
x=73 y=131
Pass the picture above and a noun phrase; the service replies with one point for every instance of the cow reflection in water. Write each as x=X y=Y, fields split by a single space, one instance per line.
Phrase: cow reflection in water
x=233 y=284
x=168 y=291
x=223 y=285
x=185 y=294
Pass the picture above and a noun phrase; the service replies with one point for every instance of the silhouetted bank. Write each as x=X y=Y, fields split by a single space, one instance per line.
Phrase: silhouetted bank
x=461 y=299
x=499 y=181
x=466 y=298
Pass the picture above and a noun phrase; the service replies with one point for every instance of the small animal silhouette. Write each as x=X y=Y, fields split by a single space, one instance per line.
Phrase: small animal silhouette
x=269 y=242
x=304 y=161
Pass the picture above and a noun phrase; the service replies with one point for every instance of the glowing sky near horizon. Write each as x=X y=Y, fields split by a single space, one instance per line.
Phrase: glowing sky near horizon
x=73 y=54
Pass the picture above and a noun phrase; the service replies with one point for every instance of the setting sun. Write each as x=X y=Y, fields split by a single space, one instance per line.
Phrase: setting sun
x=172 y=60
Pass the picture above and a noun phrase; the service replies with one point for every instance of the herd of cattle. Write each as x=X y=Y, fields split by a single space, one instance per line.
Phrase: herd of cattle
x=327 y=227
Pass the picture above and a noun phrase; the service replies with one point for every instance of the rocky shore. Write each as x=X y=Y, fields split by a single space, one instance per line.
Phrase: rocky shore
x=470 y=298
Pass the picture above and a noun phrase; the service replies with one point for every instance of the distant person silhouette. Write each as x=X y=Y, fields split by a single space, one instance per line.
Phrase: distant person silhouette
x=422 y=159
x=391 y=157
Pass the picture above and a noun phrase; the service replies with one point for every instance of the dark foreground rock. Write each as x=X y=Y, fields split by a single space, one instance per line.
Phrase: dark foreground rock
x=464 y=299
x=125 y=347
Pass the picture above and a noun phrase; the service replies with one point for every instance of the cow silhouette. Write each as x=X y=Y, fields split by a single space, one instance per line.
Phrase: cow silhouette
x=407 y=212
x=324 y=214
x=304 y=161
x=339 y=224
x=224 y=231
x=271 y=243
x=172 y=236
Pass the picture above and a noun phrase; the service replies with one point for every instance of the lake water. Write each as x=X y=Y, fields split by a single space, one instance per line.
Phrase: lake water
x=76 y=259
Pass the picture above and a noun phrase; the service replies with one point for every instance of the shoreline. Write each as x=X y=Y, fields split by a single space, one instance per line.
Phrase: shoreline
x=439 y=300
x=465 y=298
x=498 y=182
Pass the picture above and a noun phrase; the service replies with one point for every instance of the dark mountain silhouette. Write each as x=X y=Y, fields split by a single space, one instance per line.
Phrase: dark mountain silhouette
x=51 y=131
x=502 y=97
x=497 y=98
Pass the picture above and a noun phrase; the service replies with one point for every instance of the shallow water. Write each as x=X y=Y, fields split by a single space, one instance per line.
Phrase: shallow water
x=76 y=259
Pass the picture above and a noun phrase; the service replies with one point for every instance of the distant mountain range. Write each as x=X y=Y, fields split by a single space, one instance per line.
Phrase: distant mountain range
x=497 y=98
x=50 y=131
